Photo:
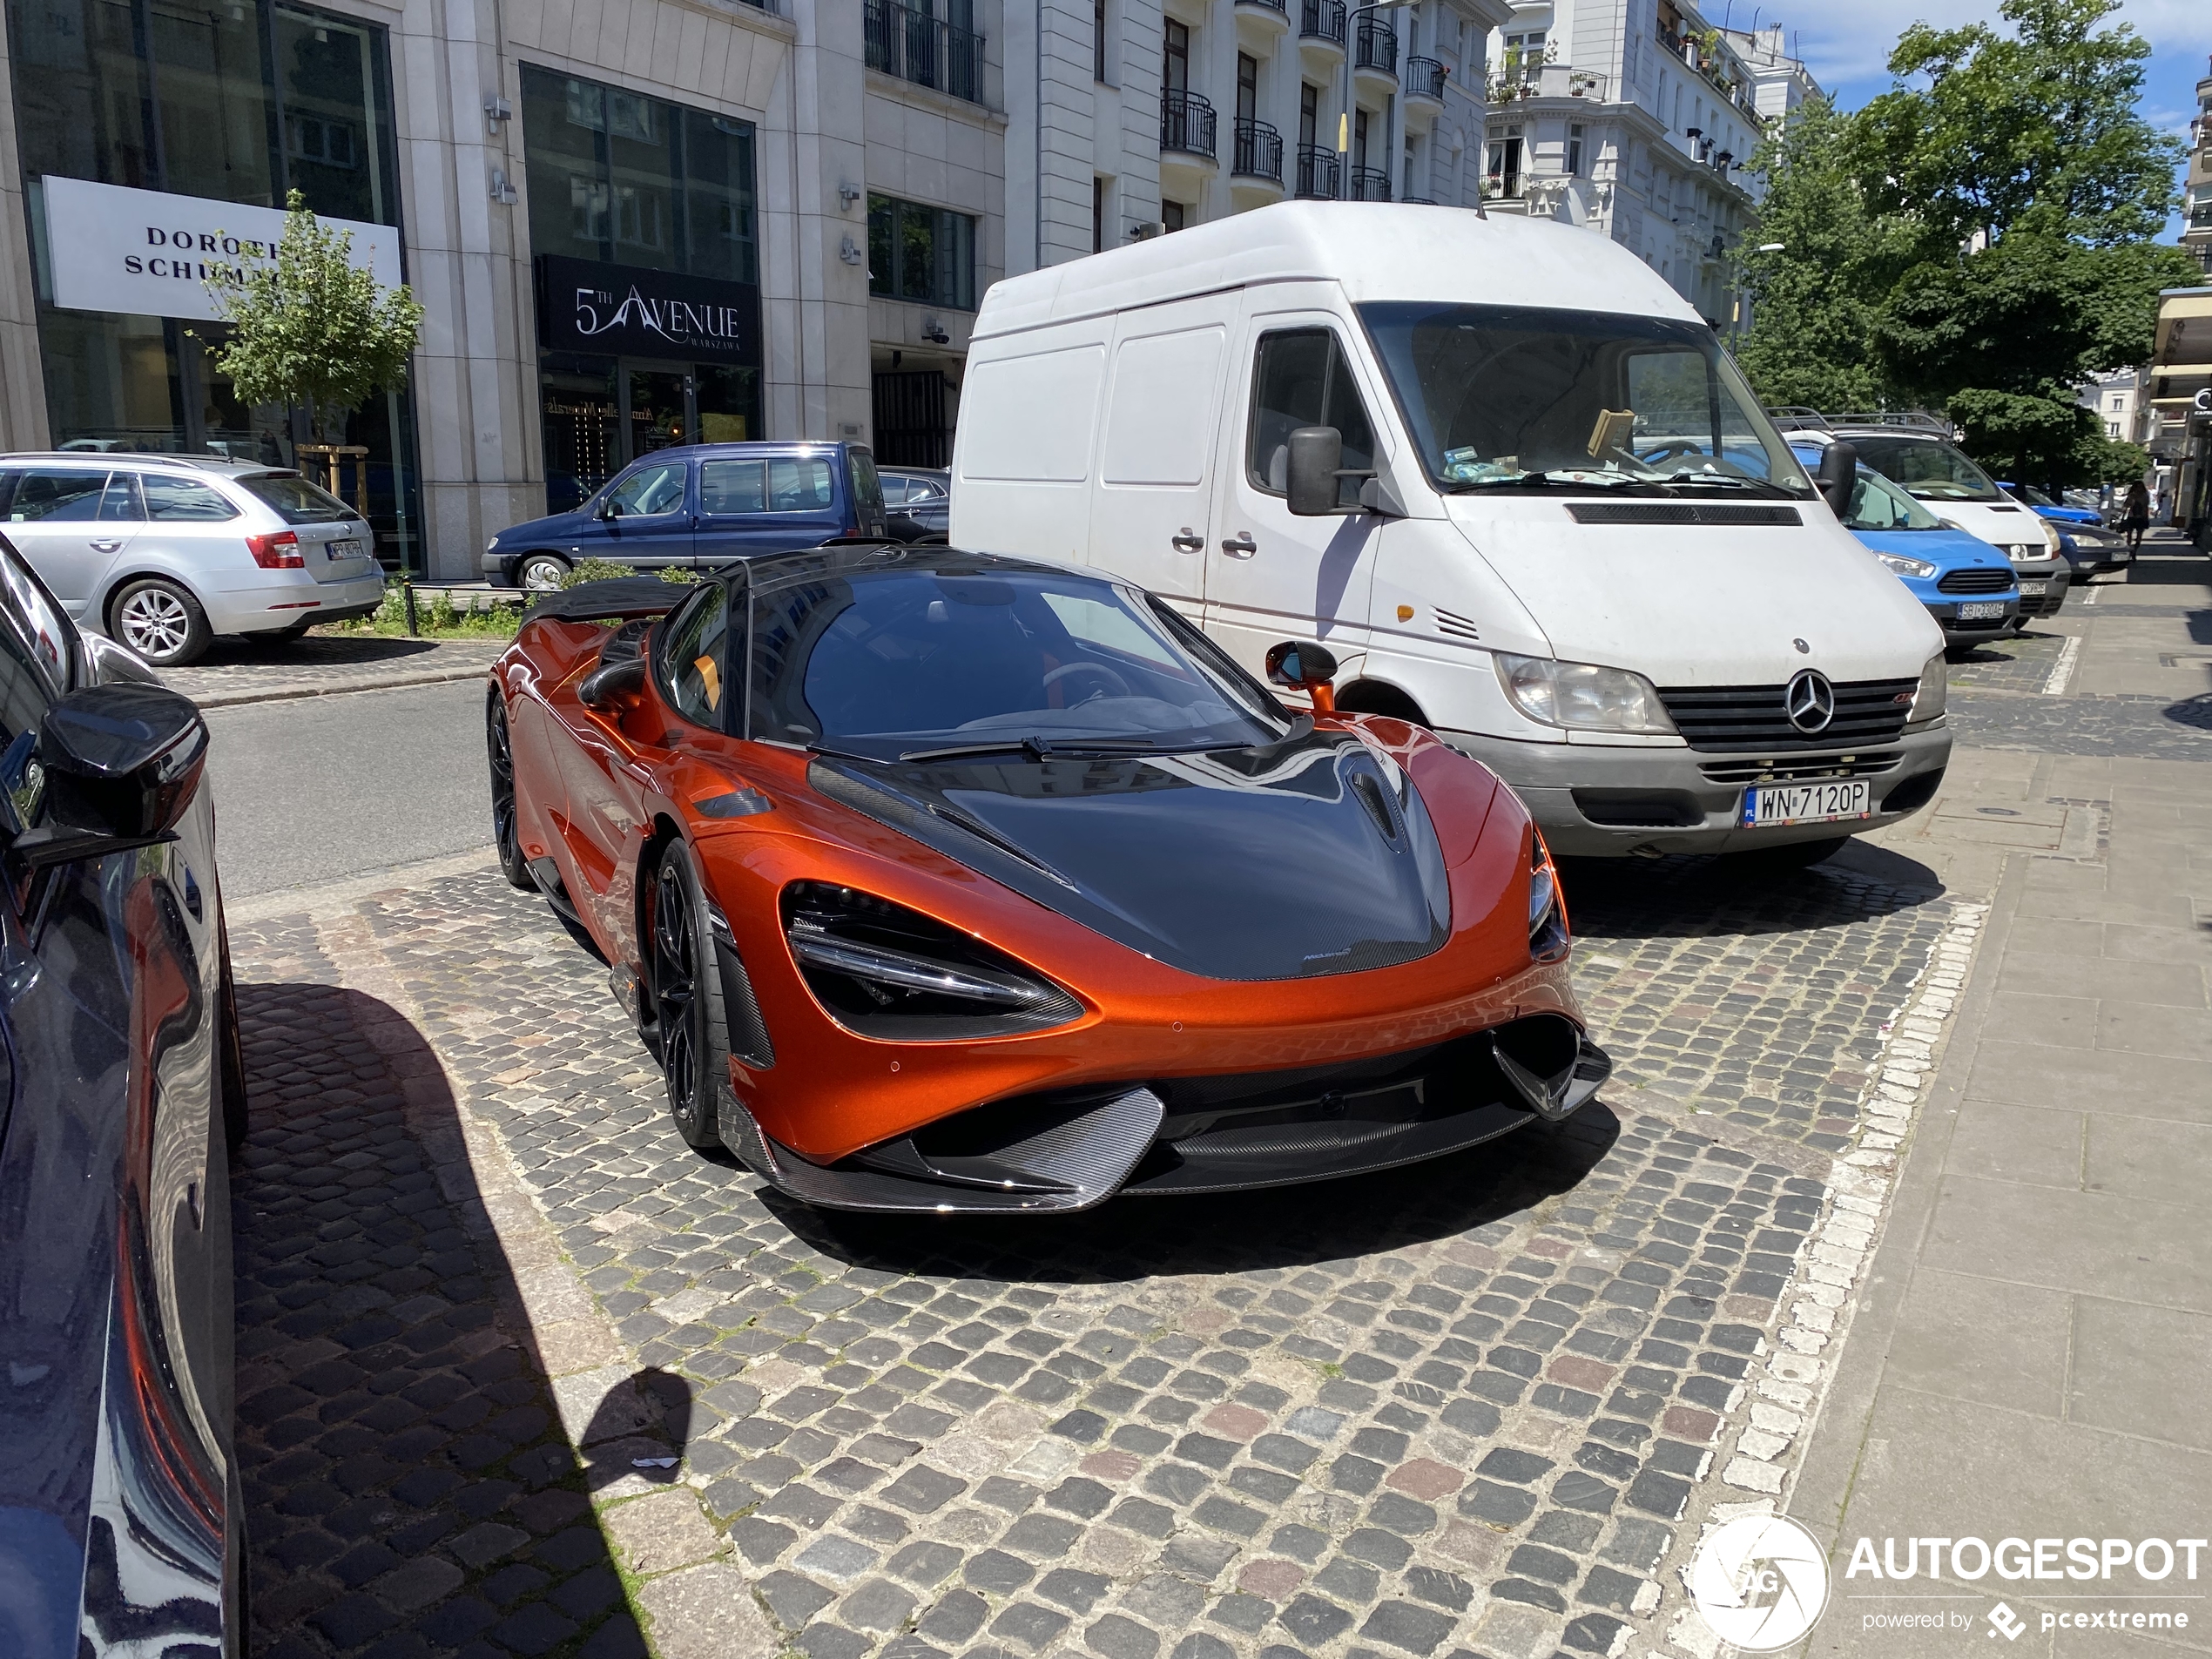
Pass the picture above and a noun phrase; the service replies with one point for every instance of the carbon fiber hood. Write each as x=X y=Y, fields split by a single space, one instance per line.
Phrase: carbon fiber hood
x=1309 y=857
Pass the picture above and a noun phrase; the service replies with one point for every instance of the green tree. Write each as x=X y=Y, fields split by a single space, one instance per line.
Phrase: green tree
x=1817 y=297
x=310 y=328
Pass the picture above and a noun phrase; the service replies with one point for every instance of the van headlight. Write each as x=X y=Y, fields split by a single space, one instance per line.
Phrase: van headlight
x=1582 y=696
x=2051 y=536
x=1902 y=566
x=1927 y=698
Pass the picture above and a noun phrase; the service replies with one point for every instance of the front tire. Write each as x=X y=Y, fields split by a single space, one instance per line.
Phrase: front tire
x=685 y=986
x=506 y=827
x=160 y=620
x=540 y=572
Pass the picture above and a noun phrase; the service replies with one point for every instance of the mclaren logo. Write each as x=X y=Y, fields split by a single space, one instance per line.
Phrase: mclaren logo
x=1808 y=700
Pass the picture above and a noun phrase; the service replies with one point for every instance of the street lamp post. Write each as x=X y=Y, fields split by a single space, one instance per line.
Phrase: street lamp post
x=1344 y=114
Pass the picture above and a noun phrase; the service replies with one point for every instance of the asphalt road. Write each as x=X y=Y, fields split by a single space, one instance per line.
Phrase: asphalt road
x=315 y=789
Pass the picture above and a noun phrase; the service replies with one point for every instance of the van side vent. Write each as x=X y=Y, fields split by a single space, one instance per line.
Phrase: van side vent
x=1457 y=626
x=1678 y=512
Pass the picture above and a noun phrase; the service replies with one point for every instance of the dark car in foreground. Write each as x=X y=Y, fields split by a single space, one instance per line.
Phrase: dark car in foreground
x=940 y=882
x=699 y=505
x=120 y=1528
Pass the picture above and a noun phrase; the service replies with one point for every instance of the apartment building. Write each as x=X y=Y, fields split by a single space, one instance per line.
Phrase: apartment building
x=2196 y=224
x=631 y=224
x=1638 y=120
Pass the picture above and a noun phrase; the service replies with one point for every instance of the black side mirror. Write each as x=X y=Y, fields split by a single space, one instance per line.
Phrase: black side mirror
x=120 y=765
x=1316 y=453
x=1304 y=666
x=608 y=509
x=1839 y=476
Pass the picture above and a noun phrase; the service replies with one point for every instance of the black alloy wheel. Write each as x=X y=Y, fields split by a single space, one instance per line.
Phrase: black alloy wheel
x=686 y=991
x=505 y=829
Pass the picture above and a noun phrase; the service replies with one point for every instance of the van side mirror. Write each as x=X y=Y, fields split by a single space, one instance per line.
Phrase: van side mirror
x=1316 y=453
x=1304 y=666
x=1839 y=476
x=119 y=763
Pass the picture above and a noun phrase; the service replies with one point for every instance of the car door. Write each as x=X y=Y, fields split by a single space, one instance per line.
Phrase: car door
x=1272 y=575
x=70 y=524
x=646 y=519
x=1151 y=503
x=760 y=504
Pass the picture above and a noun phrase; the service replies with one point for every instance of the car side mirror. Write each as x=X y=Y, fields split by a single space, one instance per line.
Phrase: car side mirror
x=1317 y=454
x=1839 y=476
x=608 y=509
x=1304 y=666
x=613 y=688
x=119 y=764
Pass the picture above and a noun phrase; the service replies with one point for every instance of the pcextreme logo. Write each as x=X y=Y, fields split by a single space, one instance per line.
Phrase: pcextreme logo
x=1759 y=1581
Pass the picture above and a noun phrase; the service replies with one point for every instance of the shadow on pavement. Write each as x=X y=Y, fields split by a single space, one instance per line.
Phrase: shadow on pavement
x=1127 y=1239
x=312 y=651
x=1687 y=896
x=409 y=1487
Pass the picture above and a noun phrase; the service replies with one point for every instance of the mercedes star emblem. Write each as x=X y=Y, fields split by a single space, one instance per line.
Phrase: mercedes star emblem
x=1810 y=701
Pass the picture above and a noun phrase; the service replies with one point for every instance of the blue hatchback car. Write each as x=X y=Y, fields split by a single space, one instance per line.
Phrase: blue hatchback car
x=699 y=505
x=1968 y=586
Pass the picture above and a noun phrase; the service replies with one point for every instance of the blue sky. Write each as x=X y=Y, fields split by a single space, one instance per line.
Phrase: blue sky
x=1847 y=45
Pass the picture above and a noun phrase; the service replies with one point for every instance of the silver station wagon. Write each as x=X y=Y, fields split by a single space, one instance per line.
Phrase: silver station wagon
x=161 y=553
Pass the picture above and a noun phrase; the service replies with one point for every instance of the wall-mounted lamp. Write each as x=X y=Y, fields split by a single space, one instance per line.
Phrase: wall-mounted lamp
x=933 y=332
x=849 y=251
x=848 y=193
x=502 y=191
x=496 y=110
x=1146 y=230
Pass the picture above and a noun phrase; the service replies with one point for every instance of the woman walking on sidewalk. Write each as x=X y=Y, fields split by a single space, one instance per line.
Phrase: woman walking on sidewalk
x=2136 y=519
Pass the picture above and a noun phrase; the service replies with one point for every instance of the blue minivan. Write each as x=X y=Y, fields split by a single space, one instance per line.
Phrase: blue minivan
x=1968 y=586
x=700 y=504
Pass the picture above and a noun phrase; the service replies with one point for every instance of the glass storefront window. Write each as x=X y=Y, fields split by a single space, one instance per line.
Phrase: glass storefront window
x=922 y=253
x=242 y=101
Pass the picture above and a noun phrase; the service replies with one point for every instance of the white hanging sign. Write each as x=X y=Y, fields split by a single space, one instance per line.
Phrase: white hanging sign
x=148 y=254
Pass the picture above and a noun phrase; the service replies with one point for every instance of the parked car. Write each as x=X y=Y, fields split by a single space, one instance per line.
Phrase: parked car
x=888 y=899
x=1506 y=475
x=923 y=496
x=697 y=506
x=164 y=552
x=1968 y=586
x=121 y=1527
x=2042 y=504
x=1916 y=451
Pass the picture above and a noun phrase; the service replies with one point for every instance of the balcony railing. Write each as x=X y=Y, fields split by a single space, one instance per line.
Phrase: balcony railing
x=1376 y=47
x=917 y=47
x=1321 y=20
x=1316 y=174
x=1259 y=151
x=1186 y=123
x=1272 y=5
x=1370 y=184
x=1425 y=78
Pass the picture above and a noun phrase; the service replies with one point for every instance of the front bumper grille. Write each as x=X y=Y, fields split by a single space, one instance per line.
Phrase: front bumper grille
x=1978 y=580
x=1811 y=769
x=1726 y=718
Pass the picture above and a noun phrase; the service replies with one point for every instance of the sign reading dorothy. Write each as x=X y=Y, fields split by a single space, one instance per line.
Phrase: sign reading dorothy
x=148 y=254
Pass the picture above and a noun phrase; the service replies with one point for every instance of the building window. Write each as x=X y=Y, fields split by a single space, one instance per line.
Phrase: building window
x=1247 y=87
x=2112 y=428
x=1175 y=57
x=926 y=254
x=1098 y=40
x=1359 y=140
x=1098 y=214
x=1575 y=151
x=628 y=180
x=1309 y=114
x=1171 y=215
x=1505 y=163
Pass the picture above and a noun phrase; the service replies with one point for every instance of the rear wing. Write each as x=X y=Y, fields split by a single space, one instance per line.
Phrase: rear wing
x=617 y=600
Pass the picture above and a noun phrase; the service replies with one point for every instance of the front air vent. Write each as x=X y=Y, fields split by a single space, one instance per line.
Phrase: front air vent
x=1979 y=579
x=1678 y=512
x=1813 y=769
x=1453 y=625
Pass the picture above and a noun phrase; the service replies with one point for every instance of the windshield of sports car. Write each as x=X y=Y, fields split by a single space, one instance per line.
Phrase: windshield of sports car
x=989 y=660
x=1929 y=468
x=1527 y=398
x=1878 y=504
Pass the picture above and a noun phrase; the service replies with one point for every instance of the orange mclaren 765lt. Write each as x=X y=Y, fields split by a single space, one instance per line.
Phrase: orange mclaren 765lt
x=947 y=883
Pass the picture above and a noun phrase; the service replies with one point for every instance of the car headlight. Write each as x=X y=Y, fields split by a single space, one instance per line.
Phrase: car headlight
x=2051 y=536
x=492 y=546
x=1928 y=696
x=1547 y=937
x=1902 y=566
x=1582 y=695
x=884 y=971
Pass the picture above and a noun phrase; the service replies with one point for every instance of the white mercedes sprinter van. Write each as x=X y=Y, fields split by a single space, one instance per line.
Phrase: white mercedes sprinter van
x=1559 y=531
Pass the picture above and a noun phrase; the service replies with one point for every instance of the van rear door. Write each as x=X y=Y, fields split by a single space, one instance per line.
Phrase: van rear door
x=1151 y=500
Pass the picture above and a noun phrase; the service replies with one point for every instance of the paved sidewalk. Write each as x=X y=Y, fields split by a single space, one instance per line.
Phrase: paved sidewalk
x=2030 y=1350
x=235 y=672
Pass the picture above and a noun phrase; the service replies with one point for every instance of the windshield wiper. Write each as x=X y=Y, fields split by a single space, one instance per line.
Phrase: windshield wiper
x=1725 y=481
x=1545 y=481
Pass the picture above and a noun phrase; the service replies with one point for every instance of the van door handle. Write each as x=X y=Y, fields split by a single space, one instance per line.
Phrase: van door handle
x=1240 y=546
x=105 y=547
x=1188 y=541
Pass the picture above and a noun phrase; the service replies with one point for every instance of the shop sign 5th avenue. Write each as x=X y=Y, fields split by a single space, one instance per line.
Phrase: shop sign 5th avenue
x=624 y=310
x=148 y=253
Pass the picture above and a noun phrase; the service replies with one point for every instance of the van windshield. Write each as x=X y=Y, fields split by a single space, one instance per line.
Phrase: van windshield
x=1928 y=467
x=1527 y=397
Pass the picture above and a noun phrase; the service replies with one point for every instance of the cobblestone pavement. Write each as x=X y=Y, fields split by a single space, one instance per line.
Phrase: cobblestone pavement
x=2148 y=728
x=2017 y=663
x=1481 y=1401
x=234 y=672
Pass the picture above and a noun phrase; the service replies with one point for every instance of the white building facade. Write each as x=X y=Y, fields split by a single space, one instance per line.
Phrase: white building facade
x=1638 y=119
